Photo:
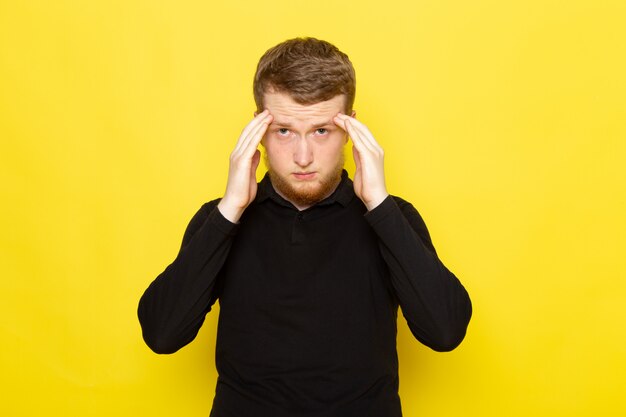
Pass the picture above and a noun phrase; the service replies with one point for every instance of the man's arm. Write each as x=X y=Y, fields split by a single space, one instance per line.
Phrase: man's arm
x=174 y=306
x=433 y=301
x=369 y=177
x=244 y=160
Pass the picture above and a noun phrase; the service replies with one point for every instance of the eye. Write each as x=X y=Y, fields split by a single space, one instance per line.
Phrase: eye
x=321 y=131
x=283 y=132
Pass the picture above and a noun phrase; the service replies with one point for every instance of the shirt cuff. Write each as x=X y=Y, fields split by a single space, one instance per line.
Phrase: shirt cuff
x=221 y=223
x=383 y=210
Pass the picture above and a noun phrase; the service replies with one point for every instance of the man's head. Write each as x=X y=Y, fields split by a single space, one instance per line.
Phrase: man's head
x=309 y=70
x=304 y=83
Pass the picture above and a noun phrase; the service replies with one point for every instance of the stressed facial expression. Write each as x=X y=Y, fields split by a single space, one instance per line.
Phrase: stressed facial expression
x=304 y=148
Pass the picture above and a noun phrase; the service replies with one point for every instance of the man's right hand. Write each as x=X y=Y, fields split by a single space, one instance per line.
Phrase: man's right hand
x=244 y=160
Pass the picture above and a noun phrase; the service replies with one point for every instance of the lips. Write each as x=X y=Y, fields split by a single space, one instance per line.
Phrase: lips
x=304 y=175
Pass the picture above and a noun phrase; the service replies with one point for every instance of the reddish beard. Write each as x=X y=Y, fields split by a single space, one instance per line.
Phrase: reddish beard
x=306 y=193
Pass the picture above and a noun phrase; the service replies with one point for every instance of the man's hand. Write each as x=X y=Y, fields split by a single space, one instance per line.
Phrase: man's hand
x=244 y=160
x=369 y=178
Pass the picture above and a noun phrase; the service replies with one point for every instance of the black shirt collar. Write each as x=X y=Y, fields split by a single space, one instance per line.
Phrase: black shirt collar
x=343 y=194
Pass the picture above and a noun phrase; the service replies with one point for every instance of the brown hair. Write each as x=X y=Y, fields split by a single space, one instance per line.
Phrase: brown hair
x=308 y=69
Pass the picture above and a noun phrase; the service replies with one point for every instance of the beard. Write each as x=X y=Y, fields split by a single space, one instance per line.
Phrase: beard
x=306 y=193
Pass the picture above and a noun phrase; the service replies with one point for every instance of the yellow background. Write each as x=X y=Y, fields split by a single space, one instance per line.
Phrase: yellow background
x=502 y=121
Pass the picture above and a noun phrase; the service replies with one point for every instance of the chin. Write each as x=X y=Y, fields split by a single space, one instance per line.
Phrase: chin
x=309 y=192
x=302 y=192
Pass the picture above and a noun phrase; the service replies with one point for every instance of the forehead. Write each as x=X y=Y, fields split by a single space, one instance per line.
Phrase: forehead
x=286 y=110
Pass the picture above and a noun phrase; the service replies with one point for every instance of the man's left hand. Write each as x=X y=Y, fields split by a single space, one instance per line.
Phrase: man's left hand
x=369 y=178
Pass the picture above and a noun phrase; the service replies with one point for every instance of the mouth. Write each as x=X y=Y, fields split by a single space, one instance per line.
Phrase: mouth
x=303 y=176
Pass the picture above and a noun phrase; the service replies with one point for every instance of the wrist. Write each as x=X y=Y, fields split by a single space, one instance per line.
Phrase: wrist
x=375 y=202
x=230 y=212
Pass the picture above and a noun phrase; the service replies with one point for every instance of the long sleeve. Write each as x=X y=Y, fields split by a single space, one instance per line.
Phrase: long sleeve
x=175 y=304
x=434 y=302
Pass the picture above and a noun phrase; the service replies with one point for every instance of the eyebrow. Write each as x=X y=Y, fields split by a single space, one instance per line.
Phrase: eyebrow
x=315 y=125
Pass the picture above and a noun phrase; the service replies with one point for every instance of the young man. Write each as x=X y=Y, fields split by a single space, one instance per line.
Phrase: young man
x=309 y=267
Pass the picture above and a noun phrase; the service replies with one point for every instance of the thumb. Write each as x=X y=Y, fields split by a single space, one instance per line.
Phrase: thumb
x=357 y=158
x=256 y=158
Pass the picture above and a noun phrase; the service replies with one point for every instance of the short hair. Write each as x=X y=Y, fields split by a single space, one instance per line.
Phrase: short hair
x=308 y=69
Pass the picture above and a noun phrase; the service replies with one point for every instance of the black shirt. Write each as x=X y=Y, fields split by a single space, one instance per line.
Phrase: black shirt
x=308 y=303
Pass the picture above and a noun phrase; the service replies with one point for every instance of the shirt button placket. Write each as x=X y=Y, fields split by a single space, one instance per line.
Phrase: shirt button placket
x=297 y=232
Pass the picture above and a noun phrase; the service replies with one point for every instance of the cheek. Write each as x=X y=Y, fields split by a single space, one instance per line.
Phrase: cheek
x=277 y=146
x=339 y=143
x=277 y=153
x=277 y=141
x=331 y=151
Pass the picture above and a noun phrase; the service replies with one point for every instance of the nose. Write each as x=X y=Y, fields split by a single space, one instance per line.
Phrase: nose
x=302 y=153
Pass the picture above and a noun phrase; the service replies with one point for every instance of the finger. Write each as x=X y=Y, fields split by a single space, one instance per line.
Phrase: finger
x=249 y=127
x=254 y=137
x=357 y=158
x=339 y=120
x=343 y=121
x=358 y=138
x=256 y=120
x=356 y=142
x=256 y=158
x=366 y=135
